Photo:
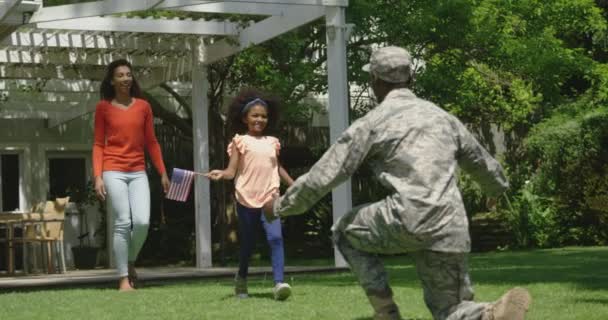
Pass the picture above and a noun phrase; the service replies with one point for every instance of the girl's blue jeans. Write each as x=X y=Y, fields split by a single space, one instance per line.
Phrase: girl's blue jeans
x=249 y=221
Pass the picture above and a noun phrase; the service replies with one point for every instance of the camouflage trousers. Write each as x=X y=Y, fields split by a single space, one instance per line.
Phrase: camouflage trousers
x=448 y=292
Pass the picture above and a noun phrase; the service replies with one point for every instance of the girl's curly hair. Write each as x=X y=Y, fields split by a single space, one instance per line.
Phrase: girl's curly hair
x=245 y=96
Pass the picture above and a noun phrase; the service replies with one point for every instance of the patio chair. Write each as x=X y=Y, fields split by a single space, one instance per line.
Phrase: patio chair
x=48 y=232
x=5 y=245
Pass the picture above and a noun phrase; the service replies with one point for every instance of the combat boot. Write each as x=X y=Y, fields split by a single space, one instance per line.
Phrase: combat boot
x=384 y=306
x=513 y=305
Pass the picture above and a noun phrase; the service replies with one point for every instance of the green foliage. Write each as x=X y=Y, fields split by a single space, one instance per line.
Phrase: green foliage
x=472 y=195
x=568 y=156
x=532 y=219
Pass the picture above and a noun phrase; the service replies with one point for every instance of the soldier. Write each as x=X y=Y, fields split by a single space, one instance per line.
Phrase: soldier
x=415 y=149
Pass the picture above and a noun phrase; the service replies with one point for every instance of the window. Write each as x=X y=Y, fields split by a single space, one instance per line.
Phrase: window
x=67 y=177
x=9 y=182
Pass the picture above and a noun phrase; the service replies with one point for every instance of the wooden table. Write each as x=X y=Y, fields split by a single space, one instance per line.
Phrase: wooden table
x=13 y=219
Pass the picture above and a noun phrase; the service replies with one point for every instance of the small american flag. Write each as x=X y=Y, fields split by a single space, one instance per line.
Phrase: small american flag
x=181 y=181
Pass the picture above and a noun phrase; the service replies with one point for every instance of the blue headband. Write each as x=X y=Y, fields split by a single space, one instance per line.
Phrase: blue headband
x=251 y=103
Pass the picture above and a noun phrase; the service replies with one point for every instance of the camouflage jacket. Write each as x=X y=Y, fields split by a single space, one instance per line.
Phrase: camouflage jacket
x=415 y=149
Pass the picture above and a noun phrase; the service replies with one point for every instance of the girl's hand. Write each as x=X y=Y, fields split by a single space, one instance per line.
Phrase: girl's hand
x=215 y=175
x=164 y=181
x=268 y=209
x=100 y=188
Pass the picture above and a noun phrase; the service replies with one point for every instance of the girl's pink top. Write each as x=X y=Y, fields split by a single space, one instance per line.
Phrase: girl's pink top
x=257 y=177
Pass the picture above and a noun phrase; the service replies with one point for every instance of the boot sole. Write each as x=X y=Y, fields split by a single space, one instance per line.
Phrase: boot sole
x=514 y=306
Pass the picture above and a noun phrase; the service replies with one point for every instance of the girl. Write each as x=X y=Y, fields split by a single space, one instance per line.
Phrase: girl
x=123 y=128
x=254 y=166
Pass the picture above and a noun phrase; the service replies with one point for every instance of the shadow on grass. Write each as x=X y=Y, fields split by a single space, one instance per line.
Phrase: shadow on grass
x=58 y=289
x=602 y=301
x=584 y=267
x=263 y=296
x=371 y=318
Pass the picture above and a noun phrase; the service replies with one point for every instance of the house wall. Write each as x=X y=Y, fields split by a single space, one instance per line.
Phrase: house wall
x=35 y=143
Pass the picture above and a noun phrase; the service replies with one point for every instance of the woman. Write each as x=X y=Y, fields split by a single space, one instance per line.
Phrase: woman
x=123 y=128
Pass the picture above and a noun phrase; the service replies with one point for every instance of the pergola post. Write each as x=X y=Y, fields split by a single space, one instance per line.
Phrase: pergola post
x=338 y=104
x=200 y=119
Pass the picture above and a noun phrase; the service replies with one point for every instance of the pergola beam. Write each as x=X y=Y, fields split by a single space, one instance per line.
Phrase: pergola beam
x=55 y=100
x=218 y=28
x=14 y=12
x=72 y=114
x=149 y=44
x=60 y=111
x=262 y=31
x=51 y=85
x=246 y=8
x=37 y=109
x=16 y=71
x=86 y=107
x=28 y=114
x=110 y=7
x=7 y=6
x=74 y=57
x=46 y=110
x=36 y=95
x=148 y=77
x=318 y=3
x=100 y=8
x=35 y=105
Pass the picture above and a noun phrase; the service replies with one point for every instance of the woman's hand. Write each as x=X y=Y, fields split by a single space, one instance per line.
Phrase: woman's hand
x=164 y=180
x=216 y=175
x=100 y=188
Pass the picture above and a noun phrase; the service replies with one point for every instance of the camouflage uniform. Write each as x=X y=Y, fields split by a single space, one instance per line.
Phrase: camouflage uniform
x=415 y=149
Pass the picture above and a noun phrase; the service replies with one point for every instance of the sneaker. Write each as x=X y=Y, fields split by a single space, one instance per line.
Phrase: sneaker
x=513 y=305
x=240 y=287
x=281 y=291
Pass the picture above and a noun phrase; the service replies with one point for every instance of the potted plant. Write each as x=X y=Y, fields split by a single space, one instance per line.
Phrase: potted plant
x=86 y=254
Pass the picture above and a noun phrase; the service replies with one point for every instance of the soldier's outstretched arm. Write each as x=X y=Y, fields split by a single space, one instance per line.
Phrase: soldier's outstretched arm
x=335 y=166
x=474 y=159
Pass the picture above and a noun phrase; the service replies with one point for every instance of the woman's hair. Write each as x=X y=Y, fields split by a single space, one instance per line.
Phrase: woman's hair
x=243 y=102
x=106 y=90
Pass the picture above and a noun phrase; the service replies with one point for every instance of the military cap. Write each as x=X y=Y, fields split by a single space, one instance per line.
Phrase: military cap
x=391 y=64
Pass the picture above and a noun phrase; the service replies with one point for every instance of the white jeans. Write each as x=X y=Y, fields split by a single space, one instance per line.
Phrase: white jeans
x=128 y=195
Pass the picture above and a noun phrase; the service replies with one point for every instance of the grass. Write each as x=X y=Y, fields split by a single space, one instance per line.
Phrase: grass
x=569 y=283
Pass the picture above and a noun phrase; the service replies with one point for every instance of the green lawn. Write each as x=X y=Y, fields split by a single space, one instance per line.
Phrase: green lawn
x=569 y=283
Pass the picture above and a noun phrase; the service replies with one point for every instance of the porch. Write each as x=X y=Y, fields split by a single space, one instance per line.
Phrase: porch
x=103 y=277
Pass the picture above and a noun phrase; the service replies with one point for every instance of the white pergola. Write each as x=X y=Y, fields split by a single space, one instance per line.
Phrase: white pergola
x=62 y=51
